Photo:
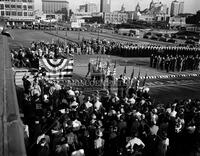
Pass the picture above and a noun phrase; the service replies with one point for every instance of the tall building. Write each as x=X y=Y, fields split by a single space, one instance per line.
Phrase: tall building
x=17 y=11
x=137 y=8
x=52 y=6
x=91 y=7
x=177 y=8
x=105 y=6
x=181 y=8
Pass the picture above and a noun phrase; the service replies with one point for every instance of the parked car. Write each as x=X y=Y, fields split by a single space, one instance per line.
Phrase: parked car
x=190 y=42
x=163 y=39
x=146 y=36
x=171 y=40
x=154 y=38
x=182 y=37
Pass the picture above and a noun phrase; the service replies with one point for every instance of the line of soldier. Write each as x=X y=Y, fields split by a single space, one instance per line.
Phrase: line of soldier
x=175 y=62
x=147 y=50
x=133 y=50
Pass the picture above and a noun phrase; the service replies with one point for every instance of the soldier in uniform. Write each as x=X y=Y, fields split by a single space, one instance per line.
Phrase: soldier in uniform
x=167 y=63
x=151 y=60
x=120 y=84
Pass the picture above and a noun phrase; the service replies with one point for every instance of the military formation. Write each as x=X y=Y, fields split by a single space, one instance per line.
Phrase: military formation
x=149 y=49
x=125 y=49
x=175 y=63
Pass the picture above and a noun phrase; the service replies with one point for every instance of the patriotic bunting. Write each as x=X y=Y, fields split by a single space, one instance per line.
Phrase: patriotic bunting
x=57 y=68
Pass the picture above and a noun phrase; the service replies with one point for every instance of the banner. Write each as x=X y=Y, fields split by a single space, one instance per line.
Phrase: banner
x=57 y=68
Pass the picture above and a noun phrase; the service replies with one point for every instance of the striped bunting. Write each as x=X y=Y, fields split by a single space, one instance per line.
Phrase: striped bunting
x=57 y=68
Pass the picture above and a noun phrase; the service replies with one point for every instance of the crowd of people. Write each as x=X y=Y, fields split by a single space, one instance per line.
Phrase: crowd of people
x=175 y=63
x=29 y=57
x=60 y=120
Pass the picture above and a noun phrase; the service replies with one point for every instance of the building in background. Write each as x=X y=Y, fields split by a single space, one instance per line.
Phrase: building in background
x=105 y=6
x=115 y=17
x=17 y=12
x=155 y=13
x=54 y=6
x=90 y=7
x=177 y=21
x=82 y=8
x=177 y=8
x=181 y=8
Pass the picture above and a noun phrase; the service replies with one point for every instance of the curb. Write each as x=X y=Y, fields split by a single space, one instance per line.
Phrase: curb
x=169 y=76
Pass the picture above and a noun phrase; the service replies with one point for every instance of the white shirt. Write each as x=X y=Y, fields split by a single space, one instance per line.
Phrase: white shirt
x=88 y=105
x=134 y=141
x=71 y=92
x=97 y=105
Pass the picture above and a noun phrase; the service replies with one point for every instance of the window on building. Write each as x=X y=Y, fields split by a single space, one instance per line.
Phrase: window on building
x=24 y=7
x=1 y=6
x=30 y=14
x=19 y=14
x=7 y=13
x=13 y=6
x=2 y=13
x=14 y=13
x=19 y=6
x=7 y=6
x=25 y=14
x=30 y=7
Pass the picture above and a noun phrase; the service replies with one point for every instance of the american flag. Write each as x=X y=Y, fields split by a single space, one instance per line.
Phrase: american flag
x=108 y=68
x=57 y=68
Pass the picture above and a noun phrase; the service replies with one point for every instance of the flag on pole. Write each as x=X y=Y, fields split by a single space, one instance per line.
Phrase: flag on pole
x=138 y=81
x=115 y=69
x=124 y=71
x=144 y=80
x=100 y=64
x=108 y=68
x=131 y=78
x=132 y=74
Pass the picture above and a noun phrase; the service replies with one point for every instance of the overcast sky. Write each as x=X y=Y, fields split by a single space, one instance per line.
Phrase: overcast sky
x=191 y=6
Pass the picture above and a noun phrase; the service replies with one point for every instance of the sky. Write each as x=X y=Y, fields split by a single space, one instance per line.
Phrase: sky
x=190 y=6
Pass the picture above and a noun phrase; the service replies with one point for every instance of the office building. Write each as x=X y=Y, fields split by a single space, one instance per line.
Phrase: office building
x=181 y=8
x=53 y=6
x=90 y=7
x=115 y=17
x=105 y=6
x=17 y=11
x=177 y=8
